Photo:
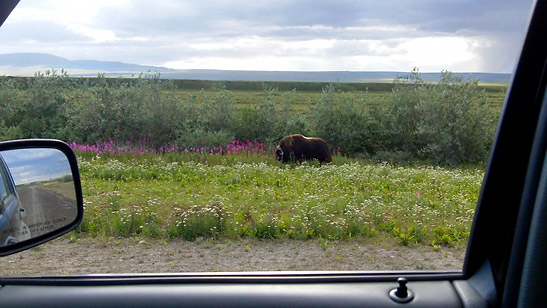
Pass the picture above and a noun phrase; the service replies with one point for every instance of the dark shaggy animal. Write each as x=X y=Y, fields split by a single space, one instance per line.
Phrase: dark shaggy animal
x=298 y=148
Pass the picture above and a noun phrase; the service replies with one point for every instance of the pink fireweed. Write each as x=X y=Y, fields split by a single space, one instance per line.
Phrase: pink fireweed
x=147 y=146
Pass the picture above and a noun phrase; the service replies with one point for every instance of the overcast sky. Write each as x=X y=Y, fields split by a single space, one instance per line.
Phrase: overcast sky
x=311 y=35
x=31 y=165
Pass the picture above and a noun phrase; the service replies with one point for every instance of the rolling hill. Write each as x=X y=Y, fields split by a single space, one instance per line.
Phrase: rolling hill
x=26 y=64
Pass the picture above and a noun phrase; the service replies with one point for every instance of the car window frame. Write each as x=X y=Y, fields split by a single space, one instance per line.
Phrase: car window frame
x=511 y=178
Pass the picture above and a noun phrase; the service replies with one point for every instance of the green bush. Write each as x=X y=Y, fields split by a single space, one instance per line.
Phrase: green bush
x=216 y=114
x=448 y=122
x=347 y=121
x=12 y=97
x=142 y=109
x=32 y=110
x=269 y=120
x=9 y=132
x=202 y=138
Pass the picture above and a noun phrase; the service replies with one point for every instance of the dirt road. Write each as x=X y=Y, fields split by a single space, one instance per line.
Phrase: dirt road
x=93 y=256
x=46 y=210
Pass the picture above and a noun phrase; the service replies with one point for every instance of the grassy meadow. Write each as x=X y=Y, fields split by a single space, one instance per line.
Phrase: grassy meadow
x=248 y=194
x=173 y=159
x=302 y=100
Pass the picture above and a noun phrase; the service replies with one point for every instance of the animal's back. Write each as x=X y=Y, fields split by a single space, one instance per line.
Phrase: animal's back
x=299 y=147
x=317 y=147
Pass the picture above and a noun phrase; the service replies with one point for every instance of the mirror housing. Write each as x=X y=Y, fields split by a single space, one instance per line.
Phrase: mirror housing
x=40 y=193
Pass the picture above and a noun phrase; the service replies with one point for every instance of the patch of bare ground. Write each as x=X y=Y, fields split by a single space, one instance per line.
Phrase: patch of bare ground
x=88 y=255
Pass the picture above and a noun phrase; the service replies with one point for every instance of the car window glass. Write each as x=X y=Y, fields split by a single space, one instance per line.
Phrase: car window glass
x=263 y=136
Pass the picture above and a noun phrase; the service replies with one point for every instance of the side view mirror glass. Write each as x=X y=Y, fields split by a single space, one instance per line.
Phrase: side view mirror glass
x=40 y=193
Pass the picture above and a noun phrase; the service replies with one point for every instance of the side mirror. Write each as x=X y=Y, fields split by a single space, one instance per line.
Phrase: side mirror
x=40 y=193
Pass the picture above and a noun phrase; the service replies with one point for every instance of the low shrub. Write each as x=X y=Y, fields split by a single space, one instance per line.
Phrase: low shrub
x=450 y=122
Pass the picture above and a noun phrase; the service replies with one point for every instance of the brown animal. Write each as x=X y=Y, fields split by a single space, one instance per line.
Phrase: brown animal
x=298 y=147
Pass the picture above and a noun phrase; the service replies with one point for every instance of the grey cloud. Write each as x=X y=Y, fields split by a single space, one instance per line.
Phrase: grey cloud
x=502 y=55
x=39 y=32
x=160 y=31
x=346 y=22
x=241 y=16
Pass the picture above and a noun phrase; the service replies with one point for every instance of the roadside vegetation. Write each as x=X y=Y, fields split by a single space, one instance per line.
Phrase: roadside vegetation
x=448 y=123
x=248 y=195
x=162 y=161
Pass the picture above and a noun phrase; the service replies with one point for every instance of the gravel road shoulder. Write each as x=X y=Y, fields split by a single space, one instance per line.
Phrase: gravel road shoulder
x=67 y=256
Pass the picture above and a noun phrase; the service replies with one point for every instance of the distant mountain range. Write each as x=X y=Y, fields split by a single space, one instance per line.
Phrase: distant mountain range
x=25 y=64
x=47 y=61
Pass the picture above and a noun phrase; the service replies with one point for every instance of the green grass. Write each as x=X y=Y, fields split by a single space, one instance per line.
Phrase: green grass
x=192 y=196
x=302 y=100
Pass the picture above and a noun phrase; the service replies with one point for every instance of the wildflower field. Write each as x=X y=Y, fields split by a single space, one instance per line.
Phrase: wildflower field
x=158 y=159
x=240 y=190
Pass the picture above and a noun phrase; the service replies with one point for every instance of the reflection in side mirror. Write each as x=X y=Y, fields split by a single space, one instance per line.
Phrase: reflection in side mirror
x=37 y=195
